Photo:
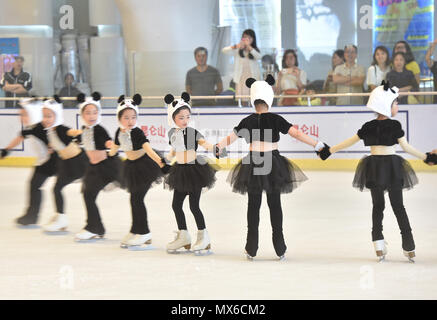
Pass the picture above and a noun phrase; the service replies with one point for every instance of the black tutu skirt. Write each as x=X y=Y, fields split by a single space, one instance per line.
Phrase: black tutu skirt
x=105 y=173
x=191 y=177
x=73 y=168
x=265 y=171
x=386 y=171
x=48 y=168
x=139 y=173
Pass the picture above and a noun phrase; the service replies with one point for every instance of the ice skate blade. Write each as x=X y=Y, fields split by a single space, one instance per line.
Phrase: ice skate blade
x=90 y=240
x=28 y=226
x=142 y=247
x=179 y=251
x=61 y=232
x=205 y=252
x=381 y=259
x=282 y=258
x=410 y=255
x=248 y=257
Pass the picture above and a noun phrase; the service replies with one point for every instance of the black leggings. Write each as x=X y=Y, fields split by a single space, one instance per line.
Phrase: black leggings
x=139 y=211
x=178 y=201
x=94 y=222
x=35 y=194
x=253 y=206
x=396 y=201
x=61 y=182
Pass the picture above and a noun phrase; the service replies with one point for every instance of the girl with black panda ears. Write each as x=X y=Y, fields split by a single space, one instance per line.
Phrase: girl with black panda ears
x=383 y=170
x=264 y=169
x=142 y=168
x=72 y=161
x=189 y=175
x=102 y=170
x=45 y=167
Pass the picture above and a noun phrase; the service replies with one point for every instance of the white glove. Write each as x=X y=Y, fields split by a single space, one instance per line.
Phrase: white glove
x=319 y=145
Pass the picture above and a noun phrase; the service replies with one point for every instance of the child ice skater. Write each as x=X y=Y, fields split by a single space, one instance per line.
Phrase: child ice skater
x=72 y=160
x=264 y=169
x=102 y=170
x=45 y=165
x=141 y=169
x=384 y=171
x=189 y=175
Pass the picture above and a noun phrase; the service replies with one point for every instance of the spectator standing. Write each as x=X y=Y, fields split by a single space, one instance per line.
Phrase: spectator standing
x=432 y=64
x=411 y=64
x=203 y=80
x=349 y=77
x=329 y=86
x=69 y=90
x=16 y=83
x=379 y=68
x=291 y=79
x=246 y=54
x=401 y=77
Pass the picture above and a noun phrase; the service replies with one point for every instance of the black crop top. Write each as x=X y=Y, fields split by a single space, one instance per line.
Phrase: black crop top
x=184 y=139
x=36 y=131
x=94 y=138
x=257 y=127
x=130 y=140
x=381 y=132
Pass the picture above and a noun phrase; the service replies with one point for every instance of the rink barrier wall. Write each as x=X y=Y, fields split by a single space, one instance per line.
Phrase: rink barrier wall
x=226 y=164
x=328 y=124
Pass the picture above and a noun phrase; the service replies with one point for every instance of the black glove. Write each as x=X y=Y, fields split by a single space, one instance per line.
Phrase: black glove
x=324 y=153
x=4 y=153
x=431 y=158
x=219 y=154
x=112 y=157
x=165 y=169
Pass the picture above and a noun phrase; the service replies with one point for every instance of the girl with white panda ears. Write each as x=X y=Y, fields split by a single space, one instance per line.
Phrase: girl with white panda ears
x=72 y=161
x=384 y=171
x=189 y=175
x=142 y=168
x=45 y=167
x=264 y=169
x=102 y=170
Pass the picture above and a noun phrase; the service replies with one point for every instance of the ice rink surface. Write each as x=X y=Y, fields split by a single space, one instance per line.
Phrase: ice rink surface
x=327 y=228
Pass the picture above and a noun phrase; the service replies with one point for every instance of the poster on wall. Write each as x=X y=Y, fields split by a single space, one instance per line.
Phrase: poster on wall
x=8 y=49
x=263 y=16
x=408 y=20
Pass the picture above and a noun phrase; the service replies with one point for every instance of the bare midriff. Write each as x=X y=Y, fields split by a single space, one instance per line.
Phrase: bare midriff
x=70 y=151
x=263 y=146
x=185 y=156
x=382 y=150
x=96 y=156
x=136 y=154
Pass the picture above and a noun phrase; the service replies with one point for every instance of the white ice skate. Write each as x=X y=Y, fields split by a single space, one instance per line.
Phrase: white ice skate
x=57 y=224
x=410 y=255
x=140 y=242
x=182 y=240
x=282 y=258
x=126 y=238
x=203 y=244
x=380 y=249
x=248 y=256
x=85 y=235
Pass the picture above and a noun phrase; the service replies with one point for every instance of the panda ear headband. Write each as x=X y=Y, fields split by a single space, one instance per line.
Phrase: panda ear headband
x=33 y=107
x=382 y=98
x=174 y=104
x=93 y=100
x=125 y=103
x=55 y=105
x=261 y=90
